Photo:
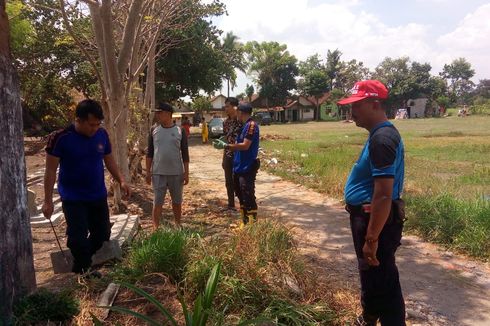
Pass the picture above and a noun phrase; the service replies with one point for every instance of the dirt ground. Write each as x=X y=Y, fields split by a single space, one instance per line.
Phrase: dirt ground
x=441 y=288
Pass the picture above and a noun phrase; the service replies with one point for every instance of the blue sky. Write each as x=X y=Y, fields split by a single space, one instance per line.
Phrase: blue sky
x=434 y=31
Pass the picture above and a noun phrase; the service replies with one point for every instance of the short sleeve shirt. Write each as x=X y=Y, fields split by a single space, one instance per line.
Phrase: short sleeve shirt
x=81 y=171
x=381 y=157
x=244 y=161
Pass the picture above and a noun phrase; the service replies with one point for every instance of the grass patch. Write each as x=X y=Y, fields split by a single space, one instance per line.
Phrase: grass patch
x=458 y=224
x=163 y=251
x=262 y=276
x=447 y=157
x=43 y=305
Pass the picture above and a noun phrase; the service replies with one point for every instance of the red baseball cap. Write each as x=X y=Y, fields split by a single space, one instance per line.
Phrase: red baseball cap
x=366 y=89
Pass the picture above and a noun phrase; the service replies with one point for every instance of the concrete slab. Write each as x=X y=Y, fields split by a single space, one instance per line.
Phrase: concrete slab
x=122 y=232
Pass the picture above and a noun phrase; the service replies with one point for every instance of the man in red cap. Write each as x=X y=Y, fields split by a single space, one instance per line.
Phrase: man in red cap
x=373 y=197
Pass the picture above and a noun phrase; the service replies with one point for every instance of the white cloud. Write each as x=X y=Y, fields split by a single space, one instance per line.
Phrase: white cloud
x=346 y=25
x=470 y=39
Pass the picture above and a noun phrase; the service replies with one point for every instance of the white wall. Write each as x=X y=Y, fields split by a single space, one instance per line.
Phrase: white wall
x=309 y=115
x=219 y=102
x=417 y=110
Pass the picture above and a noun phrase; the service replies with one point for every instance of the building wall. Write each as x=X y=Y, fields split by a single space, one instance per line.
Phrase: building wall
x=417 y=110
x=308 y=114
x=219 y=102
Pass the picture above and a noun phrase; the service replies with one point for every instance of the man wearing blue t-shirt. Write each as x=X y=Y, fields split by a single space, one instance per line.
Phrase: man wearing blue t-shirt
x=373 y=197
x=81 y=150
x=246 y=163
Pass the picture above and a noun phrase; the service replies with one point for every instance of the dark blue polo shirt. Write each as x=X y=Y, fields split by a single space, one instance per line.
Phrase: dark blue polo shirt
x=244 y=161
x=381 y=157
x=81 y=172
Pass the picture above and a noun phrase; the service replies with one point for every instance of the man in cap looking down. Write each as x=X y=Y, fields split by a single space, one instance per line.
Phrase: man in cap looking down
x=373 y=197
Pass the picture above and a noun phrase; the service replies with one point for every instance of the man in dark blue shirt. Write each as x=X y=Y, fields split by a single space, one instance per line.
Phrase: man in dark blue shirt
x=373 y=197
x=246 y=163
x=81 y=150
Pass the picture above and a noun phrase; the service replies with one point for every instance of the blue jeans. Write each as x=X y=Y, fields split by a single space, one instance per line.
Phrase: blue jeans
x=381 y=293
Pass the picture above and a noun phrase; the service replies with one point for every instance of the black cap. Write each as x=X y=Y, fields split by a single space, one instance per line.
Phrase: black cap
x=164 y=107
x=245 y=107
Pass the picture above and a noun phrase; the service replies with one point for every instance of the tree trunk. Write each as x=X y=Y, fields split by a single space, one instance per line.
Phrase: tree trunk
x=228 y=84
x=17 y=276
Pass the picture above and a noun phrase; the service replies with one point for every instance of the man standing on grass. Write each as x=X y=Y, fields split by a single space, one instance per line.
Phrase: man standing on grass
x=231 y=128
x=373 y=197
x=81 y=151
x=167 y=163
x=245 y=163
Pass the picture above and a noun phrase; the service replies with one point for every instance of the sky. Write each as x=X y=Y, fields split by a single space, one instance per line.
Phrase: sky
x=434 y=31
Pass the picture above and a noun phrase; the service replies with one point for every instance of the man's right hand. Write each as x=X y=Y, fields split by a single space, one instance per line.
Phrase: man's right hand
x=148 y=179
x=48 y=209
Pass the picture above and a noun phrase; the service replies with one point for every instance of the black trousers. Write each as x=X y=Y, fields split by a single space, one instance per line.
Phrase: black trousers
x=88 y=227
x=381 y=293
x=245 y=189
x=230 y=187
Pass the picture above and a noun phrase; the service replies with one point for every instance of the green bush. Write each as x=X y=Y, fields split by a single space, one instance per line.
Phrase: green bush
x=284 y=312
x=163 y=251
x=43 y=306
x=457 y=223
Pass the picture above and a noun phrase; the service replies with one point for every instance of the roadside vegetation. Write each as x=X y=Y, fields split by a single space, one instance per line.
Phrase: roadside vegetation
x=447 y=183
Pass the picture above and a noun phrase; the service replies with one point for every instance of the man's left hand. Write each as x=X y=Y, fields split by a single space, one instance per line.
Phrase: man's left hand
x=369 y=251
x=126 y=190
x=186 y=178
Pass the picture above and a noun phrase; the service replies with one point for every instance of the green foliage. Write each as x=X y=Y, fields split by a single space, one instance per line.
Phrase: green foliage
x=21 y=29
x=50 y=65
x=249 y=91
x=458 y=224
x=43 y=305
x=201 y=104
x=163 y=251
x=459 y=74
x=481 y=107
x=200 y=61
x=274 y=68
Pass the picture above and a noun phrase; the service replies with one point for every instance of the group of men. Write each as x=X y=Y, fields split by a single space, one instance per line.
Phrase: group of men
x=372 y=192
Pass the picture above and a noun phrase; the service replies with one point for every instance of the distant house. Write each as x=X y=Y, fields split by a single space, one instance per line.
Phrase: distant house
x=218 y=102
x=416 y=107
x=300 y=108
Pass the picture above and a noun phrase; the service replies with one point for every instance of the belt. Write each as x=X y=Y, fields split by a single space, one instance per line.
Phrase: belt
x=364 y=208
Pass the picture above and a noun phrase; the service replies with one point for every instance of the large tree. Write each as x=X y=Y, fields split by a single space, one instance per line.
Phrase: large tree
x=274 y=69
x=17 y=276
x=459 y=73
x=314 y=81
x=197 y=64
x=234 y=58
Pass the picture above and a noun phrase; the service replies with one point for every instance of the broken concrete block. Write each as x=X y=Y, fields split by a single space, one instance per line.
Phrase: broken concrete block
x=122 y=232
x=107 y=298
x=31 y=202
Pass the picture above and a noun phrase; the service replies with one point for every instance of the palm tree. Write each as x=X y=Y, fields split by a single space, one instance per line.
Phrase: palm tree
x=233 y=52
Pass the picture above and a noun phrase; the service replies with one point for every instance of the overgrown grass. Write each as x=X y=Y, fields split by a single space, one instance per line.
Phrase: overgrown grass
x=449 y=156
x=43 y=306
x=461 y=224
x=262 y=276
x=163 y=251
x=262 y=273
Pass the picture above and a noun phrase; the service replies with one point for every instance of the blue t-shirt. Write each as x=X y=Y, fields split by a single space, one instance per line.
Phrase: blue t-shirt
x=81 y=172
x=381 y=157
x=244 y=161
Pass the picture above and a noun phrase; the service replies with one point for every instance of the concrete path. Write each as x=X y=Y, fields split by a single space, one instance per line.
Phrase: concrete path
x=440 y=288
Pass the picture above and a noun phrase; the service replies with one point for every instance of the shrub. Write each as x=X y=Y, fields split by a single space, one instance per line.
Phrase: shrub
x=43 y=306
